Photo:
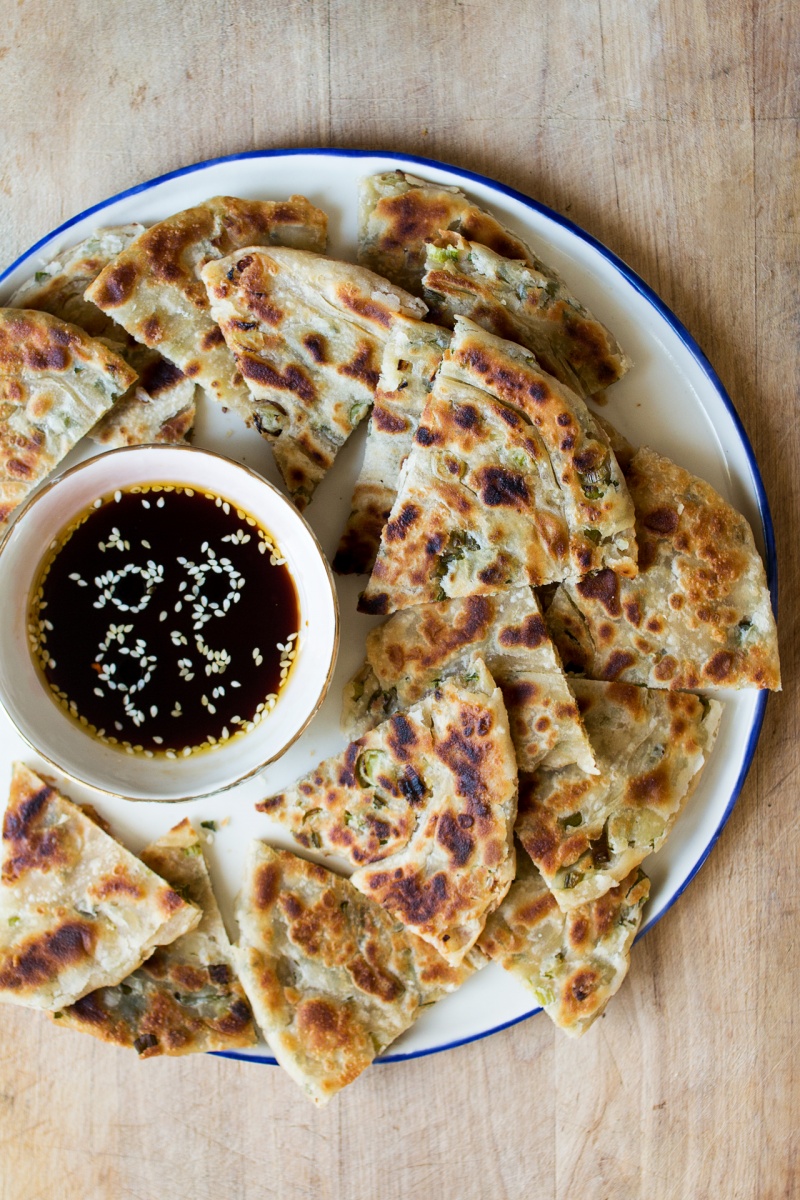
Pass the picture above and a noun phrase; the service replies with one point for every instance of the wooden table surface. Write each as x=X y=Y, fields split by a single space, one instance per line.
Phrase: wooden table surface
x=668 y=129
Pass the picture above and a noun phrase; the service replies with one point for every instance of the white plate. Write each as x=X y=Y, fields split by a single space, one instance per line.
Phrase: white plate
x=671 y=399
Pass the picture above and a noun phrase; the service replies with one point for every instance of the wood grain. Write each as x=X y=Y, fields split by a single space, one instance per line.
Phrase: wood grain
x=668 y=129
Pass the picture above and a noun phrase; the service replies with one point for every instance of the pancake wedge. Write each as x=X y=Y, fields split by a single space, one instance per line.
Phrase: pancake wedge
x=526 y=303
x=509 y=482
x=332 y=977
x=77 y=910
x=584 y=832
x=415 y=649
x=160 y=406
x=154 y=291
x=399 y=213
x=572 y=962
x=186 y=998
x=58 y=287
x=56 y=382
x=423 y=807
x=698 y=615
x=411 y=359
x=307 y=334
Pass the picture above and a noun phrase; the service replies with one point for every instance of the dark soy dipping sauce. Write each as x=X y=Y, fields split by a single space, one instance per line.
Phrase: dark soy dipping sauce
x=164 y=620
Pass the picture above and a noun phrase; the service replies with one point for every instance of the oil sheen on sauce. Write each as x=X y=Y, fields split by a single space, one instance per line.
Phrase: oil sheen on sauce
x=164 y=620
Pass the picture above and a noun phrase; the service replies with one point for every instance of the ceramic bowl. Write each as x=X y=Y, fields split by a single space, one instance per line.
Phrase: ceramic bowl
x=36 y=713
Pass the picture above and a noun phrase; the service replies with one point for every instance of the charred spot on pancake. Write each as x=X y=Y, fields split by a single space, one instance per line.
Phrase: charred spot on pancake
x=212 y=338
x=633 y=612
x=651 y=788
x=375 y=982
x=372 y=310
x=119 y=883
x=388 y=422
x=564 y=419
x=293 y=379
x=160 y=376
x=397 y=529
x=116 y=285
x=466 y=416
x=362 y=367
x=267 y=885
x=581 y=987
x=666 y=668
x=720 y=666
x=41 y=958
x=531 y=633
x=152 y=331
x=455 y=840
x=648 y=553
x=425 y=437
x=322 y=1026
x=376 y=606
x=291 y=906
x=401 y=737
x=417 y=901
x=617 y=662
x=602 y=586
x=411 y=217
x=662 y=520
x=499 y=487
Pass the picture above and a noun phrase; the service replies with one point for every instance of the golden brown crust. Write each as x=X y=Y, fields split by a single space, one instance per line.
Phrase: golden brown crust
x=153 y=288
x=585 y=833
x=509 y=482
x=697 y=615
x=186 y=998
x=524 y=303
x=415 y=649
x=55 y=383
x=159 y=407
x=574 y=962
x=399 y=213
x=307 y=335
x=76 y=909
x=332 y=977
x=422 y=806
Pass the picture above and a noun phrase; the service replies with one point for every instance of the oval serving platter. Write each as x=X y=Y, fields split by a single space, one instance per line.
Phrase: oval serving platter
x=671 y=399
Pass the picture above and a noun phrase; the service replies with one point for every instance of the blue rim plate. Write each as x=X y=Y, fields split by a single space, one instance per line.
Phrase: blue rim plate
x=672 y=399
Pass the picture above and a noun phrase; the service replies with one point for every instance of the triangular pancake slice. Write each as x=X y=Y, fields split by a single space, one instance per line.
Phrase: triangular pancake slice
x=587 y=832
x=55 y=384
x=411 y=359
x=186 y=998
x=423 y=806
x=307 y=334
x=77 y=910
x=572 y=962
x=332 y=977
x=415 y=649
x=399 y=213
x=159 y=407
x=698 y=615
x=525 y=303
x=59 y=285
x=510 y=481
x=153 y=287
